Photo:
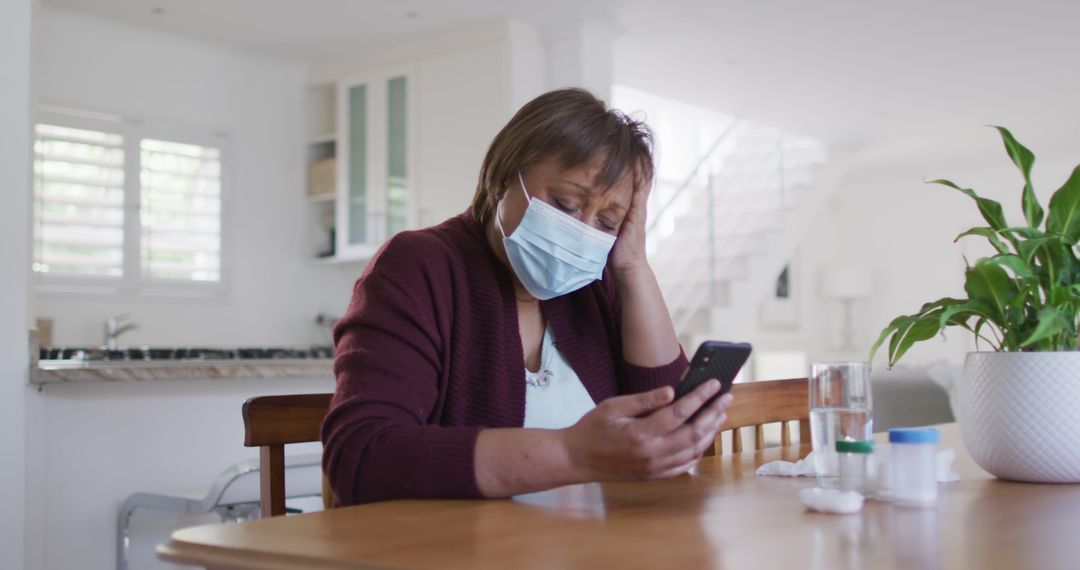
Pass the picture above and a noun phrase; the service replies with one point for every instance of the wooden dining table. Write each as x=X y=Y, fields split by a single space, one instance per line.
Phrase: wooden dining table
x=722 y=515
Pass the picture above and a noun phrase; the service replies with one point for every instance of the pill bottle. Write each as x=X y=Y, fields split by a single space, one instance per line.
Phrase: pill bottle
x=913 y=460
x=855 y=457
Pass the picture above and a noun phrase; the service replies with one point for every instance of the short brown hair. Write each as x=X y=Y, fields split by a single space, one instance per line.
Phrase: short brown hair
x=573 y=126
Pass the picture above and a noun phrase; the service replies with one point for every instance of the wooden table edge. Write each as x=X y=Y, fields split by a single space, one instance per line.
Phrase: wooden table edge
x=215 y=558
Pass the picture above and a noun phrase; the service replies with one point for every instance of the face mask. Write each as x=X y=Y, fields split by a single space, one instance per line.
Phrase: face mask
x=552 y=253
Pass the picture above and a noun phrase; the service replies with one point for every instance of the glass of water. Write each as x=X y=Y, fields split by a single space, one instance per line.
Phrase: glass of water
x=839 y=409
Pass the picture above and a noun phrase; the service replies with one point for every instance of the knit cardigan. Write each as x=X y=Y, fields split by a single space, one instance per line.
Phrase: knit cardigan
x=429 y=353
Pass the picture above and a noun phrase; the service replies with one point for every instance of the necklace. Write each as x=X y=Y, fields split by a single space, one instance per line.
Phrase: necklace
x=541 y=378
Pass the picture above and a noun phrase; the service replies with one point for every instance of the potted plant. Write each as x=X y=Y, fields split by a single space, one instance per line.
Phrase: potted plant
x=1019 y=403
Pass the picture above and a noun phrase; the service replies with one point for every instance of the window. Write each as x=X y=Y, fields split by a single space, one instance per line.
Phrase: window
x=180 y=212
x=119 y=210
x=78 y=202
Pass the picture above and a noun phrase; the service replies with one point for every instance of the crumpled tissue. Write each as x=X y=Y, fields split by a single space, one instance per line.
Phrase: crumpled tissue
x=805 y=466
x=801 y=468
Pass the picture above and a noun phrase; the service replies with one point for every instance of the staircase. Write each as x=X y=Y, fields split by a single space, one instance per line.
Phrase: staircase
x=719 y=238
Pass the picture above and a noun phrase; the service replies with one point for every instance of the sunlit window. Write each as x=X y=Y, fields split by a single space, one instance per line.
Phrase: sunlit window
x=78 y=202
x=111 y=207
x=180 y=211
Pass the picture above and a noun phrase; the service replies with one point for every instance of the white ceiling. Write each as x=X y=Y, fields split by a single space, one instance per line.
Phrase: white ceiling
x=317 y=30
x=891 y=75
x=863 y=72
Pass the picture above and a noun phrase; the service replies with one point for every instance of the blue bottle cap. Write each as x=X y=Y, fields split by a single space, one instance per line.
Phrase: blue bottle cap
x=914 y=435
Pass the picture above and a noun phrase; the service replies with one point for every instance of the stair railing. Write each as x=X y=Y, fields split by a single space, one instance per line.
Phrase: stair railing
x=688 y=297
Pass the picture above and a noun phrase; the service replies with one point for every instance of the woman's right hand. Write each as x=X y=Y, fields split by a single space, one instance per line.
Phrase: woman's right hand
x=645 y=436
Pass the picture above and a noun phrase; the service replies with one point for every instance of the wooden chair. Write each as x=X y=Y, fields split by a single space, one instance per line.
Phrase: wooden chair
x=271 y=422
x=759 y=403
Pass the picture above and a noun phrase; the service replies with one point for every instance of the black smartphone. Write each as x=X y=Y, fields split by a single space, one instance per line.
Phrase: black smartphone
x=714 y=359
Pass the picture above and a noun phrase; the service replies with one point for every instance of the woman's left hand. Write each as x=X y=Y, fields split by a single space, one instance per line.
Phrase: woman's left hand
x=629 y=251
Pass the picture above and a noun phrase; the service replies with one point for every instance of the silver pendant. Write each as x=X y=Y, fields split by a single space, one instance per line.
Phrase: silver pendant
x=540 y=379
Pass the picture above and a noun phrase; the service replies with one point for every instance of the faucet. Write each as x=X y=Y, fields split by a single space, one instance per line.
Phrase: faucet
x=114 y=327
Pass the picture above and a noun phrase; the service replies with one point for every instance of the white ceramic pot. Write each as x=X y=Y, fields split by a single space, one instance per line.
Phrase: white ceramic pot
x=1019 y=413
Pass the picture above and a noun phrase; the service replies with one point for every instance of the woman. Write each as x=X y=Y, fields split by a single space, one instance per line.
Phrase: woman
x=523 y=344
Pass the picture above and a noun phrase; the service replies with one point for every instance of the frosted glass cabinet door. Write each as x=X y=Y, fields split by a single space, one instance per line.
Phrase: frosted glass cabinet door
x=397 y=182
x=357 y=199
x=375 y=188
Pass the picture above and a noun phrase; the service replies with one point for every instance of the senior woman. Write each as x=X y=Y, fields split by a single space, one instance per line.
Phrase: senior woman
x=523 y=344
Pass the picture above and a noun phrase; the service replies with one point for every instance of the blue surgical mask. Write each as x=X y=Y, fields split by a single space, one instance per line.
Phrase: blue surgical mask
x=552 y=253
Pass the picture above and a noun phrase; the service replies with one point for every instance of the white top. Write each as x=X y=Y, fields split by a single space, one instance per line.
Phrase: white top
x=555 y=398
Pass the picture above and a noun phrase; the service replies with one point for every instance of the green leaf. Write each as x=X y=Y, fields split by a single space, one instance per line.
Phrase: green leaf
x=1023 y=159
x=1064 y=217
x=990 y=236
x=942 y=303
x=979 y=324
x=895 y=340
x=1024 y=231
x=923 y=329
x=990 y=210
x=1060 y=296
x=1049 y=250
x=959 y=314
x=989 y=284
x=1051 y=322
x=1017 y=264
x=891 y=329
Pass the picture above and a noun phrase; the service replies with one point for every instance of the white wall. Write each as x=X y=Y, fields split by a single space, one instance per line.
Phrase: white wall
x=273 y=292
x=463 y=102
x=884 y=218
x=579 y=54
x=15 y=68
x=104 y=441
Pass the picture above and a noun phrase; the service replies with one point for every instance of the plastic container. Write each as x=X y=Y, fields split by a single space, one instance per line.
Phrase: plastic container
x=913 y=465
x=856 y=466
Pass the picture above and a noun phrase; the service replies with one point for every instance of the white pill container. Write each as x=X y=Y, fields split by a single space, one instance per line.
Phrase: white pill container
x=913 y=464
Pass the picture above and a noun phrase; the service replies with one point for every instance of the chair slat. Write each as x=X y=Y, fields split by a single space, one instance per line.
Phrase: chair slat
x=759 y=403
x=804 y=431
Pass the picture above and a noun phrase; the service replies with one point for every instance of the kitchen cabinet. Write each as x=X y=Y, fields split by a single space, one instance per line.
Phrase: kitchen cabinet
x=365 y=124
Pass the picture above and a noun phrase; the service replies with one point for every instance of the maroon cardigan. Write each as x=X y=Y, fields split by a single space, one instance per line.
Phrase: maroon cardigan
x=429 y=354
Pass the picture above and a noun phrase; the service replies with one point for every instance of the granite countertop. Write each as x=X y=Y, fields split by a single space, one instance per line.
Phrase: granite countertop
x=256 y=363
x=47 y=373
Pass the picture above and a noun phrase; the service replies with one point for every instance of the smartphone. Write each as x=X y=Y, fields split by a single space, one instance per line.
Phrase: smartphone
x=714 y=359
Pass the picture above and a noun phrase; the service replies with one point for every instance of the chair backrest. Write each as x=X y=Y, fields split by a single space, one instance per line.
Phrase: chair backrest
x=271 y=422
x=766 y=402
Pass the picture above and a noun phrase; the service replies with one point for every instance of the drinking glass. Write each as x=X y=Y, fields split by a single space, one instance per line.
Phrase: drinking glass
x=839 y=409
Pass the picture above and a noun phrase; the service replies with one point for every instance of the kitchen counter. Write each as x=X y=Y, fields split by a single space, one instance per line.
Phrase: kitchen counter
x=315 y=364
